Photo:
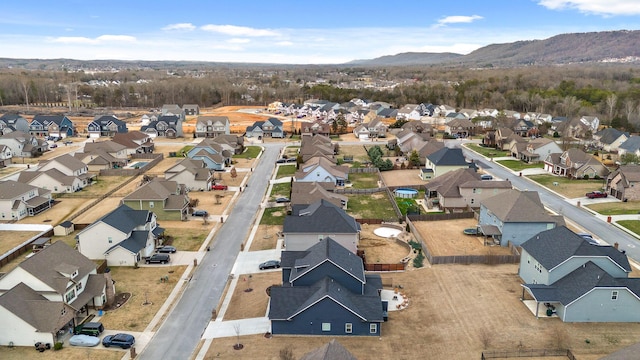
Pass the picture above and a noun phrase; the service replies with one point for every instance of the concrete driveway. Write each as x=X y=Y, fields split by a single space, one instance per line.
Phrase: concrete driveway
x=247 y=262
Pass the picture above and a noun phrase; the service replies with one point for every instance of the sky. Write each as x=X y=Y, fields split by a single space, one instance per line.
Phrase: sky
x=290 y=31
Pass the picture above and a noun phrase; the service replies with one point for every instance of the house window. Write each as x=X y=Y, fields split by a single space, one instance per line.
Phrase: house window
x=326 y=326
x=348 y=328
x=473 y=201
x=63 y=311
x=110 y=239
x=373 y=328
x=75 y=273
x=320 y=237
x=151 y=204
x=78 y=286
x=70 y=295
x=614 y=295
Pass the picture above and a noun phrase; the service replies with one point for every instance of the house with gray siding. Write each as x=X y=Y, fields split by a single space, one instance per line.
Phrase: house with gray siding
x=309 y=223
x=211 y=153
x=577 y=280
x=514 y=217
x=624 y=183
x=325 y=291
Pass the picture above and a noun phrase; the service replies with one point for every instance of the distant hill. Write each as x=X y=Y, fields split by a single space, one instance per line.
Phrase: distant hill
x=617 y=46
x=410 y=58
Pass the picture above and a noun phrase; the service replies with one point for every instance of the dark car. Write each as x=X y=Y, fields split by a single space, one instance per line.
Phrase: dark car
x=281 y=161
x=282 y=200
x=202 y=213
x=90 y=328
x=158 y=259
x=270 y=264
x=167 y=249
x=596 y=194
x=122 y=340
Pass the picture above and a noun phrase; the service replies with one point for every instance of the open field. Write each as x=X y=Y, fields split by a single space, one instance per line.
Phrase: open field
x=145 y=287
x=455 y=312
x=616 y=208
x=444 y=238
x=570 y=188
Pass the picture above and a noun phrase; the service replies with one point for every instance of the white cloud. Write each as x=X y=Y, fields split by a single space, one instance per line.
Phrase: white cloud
x=99 y=40
x=239 y=30
x=458 y=19
x=284 y=43
x=597 y=7
x=179 y=27
x=238 y=41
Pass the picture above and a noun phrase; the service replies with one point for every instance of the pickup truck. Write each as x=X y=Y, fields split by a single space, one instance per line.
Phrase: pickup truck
x=596 y=194
x=219 y=187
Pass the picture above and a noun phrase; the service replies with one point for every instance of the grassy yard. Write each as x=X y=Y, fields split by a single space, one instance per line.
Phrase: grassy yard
x=188 y=239
x=291 y=151
x=616 y=208
x=250 y=152
x=487 y=151
x=407 y=204
x=184 y=150
x=570 y=188
x=286 y=170
x=357 y=151
x=278 y=190
x=375 y=206
x=517 y=165
x=631 y=225
x=364 y=180
x=99 y=187
x=273 y=216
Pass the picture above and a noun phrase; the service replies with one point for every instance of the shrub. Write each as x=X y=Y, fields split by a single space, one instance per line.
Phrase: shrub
x=57 y=346
x=417 y=261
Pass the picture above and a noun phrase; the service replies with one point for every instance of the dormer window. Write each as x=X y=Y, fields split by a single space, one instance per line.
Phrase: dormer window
x=75 y=273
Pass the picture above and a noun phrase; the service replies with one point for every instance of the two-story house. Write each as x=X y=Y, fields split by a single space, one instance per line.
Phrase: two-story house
x=325 y=291
x=169 y=126
x=193 y=174
x=13 y=122
x=575 y=163
x=211 y=153
x=610 y=139
x=576 y=280
x=58 y=126
x=21 y=144
x=41 y=298
x=538 y=149
x=272 y=127
x=321 y=169
x=63 y=174
x=18 y=200
x=166 y=198
x=106 y=125
x=123 y=237
x=136 y=142
x=442 y=161
x=212 y=126
x=624 y=183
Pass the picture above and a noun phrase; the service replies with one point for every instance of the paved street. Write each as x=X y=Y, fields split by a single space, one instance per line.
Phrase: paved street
x=183 y=328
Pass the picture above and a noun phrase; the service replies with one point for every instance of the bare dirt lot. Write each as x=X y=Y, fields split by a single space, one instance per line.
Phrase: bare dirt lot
x=402 y=177
x=379 y=250
x=444 y=238
x=265 y=238
x=455 y=312
x=249 y=304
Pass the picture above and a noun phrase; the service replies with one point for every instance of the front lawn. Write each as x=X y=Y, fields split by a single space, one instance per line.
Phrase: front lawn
x=571 y=188
x=616 y=208
x=286 y=170
x=631 y=225
x=517 y=165
x=364 y=180
x=280 y=190
x=273 y=216
x=250 y=152
x=374 y=206
x=487 y=151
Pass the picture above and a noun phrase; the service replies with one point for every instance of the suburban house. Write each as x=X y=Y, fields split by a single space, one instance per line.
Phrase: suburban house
x=110 y=147
x=211 y=153
x=233 y=143
x=191 y=109
x=592 y=122
x=321 y=169
x=610 y=139
x=166 y=198
x=18 y=200
x=272 y=127
x=317 y=127
x=409 y=112
x=461 y=189
x=106 y=125
x=136 y=142
x=169 y=126
x=525 y=128
x=5 y=156
x=316 y=145
x=306 y=193
x=624 y=183
x=58 y=126
x=578 y=281
x=212 y=126
x=514 y=217
x=443 y=161
x=100 y=159
x=460 y=127
x=572 y=128
x=13 y=122
x=537 y=150
x=22 y=144
x=309 y=223
x=62 y=174
x=69 y=166
x=173 y=110
x=325 y=291
x=123 y=237
x=41 y=298
x=192 y=174
x=575 y=163
x=631 y=146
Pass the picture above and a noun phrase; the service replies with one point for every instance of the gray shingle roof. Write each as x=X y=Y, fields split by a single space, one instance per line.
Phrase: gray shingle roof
x=447 y=157
x=518 y=206
x=553 y=247
x=320 y=217
x=325 y=250
x=125 y=218
x=44 y=315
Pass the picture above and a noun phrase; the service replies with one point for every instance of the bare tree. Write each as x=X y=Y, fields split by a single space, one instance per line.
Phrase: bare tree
x=24 y=83
x=236 y=329
x=629 y=108
x=612 y=101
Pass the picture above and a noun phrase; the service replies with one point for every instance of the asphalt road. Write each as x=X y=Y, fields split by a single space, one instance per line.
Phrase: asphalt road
x=601 y=229
x=180 y=333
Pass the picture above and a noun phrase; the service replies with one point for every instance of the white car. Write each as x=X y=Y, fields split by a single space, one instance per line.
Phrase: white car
x=84 y=340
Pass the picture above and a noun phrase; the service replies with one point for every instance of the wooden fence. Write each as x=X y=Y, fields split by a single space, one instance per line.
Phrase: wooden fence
x=502 y=354
x=358 y=191
x=385 y=267
x=22 y=248
x=437 y=217
x=154 y=160
x=364 y=170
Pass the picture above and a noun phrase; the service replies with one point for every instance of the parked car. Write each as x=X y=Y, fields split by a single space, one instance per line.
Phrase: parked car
x=486 y=177
x=281 y=161
x=68 y=142
x=53 y=146
x=84 y=340
x=596 y=194
x=282 y=200
x=219 y=187
x=270 y=264
x=202 y=213
x=158 y=259
x=167 y=249
x=94 y=328
x=122 y=340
